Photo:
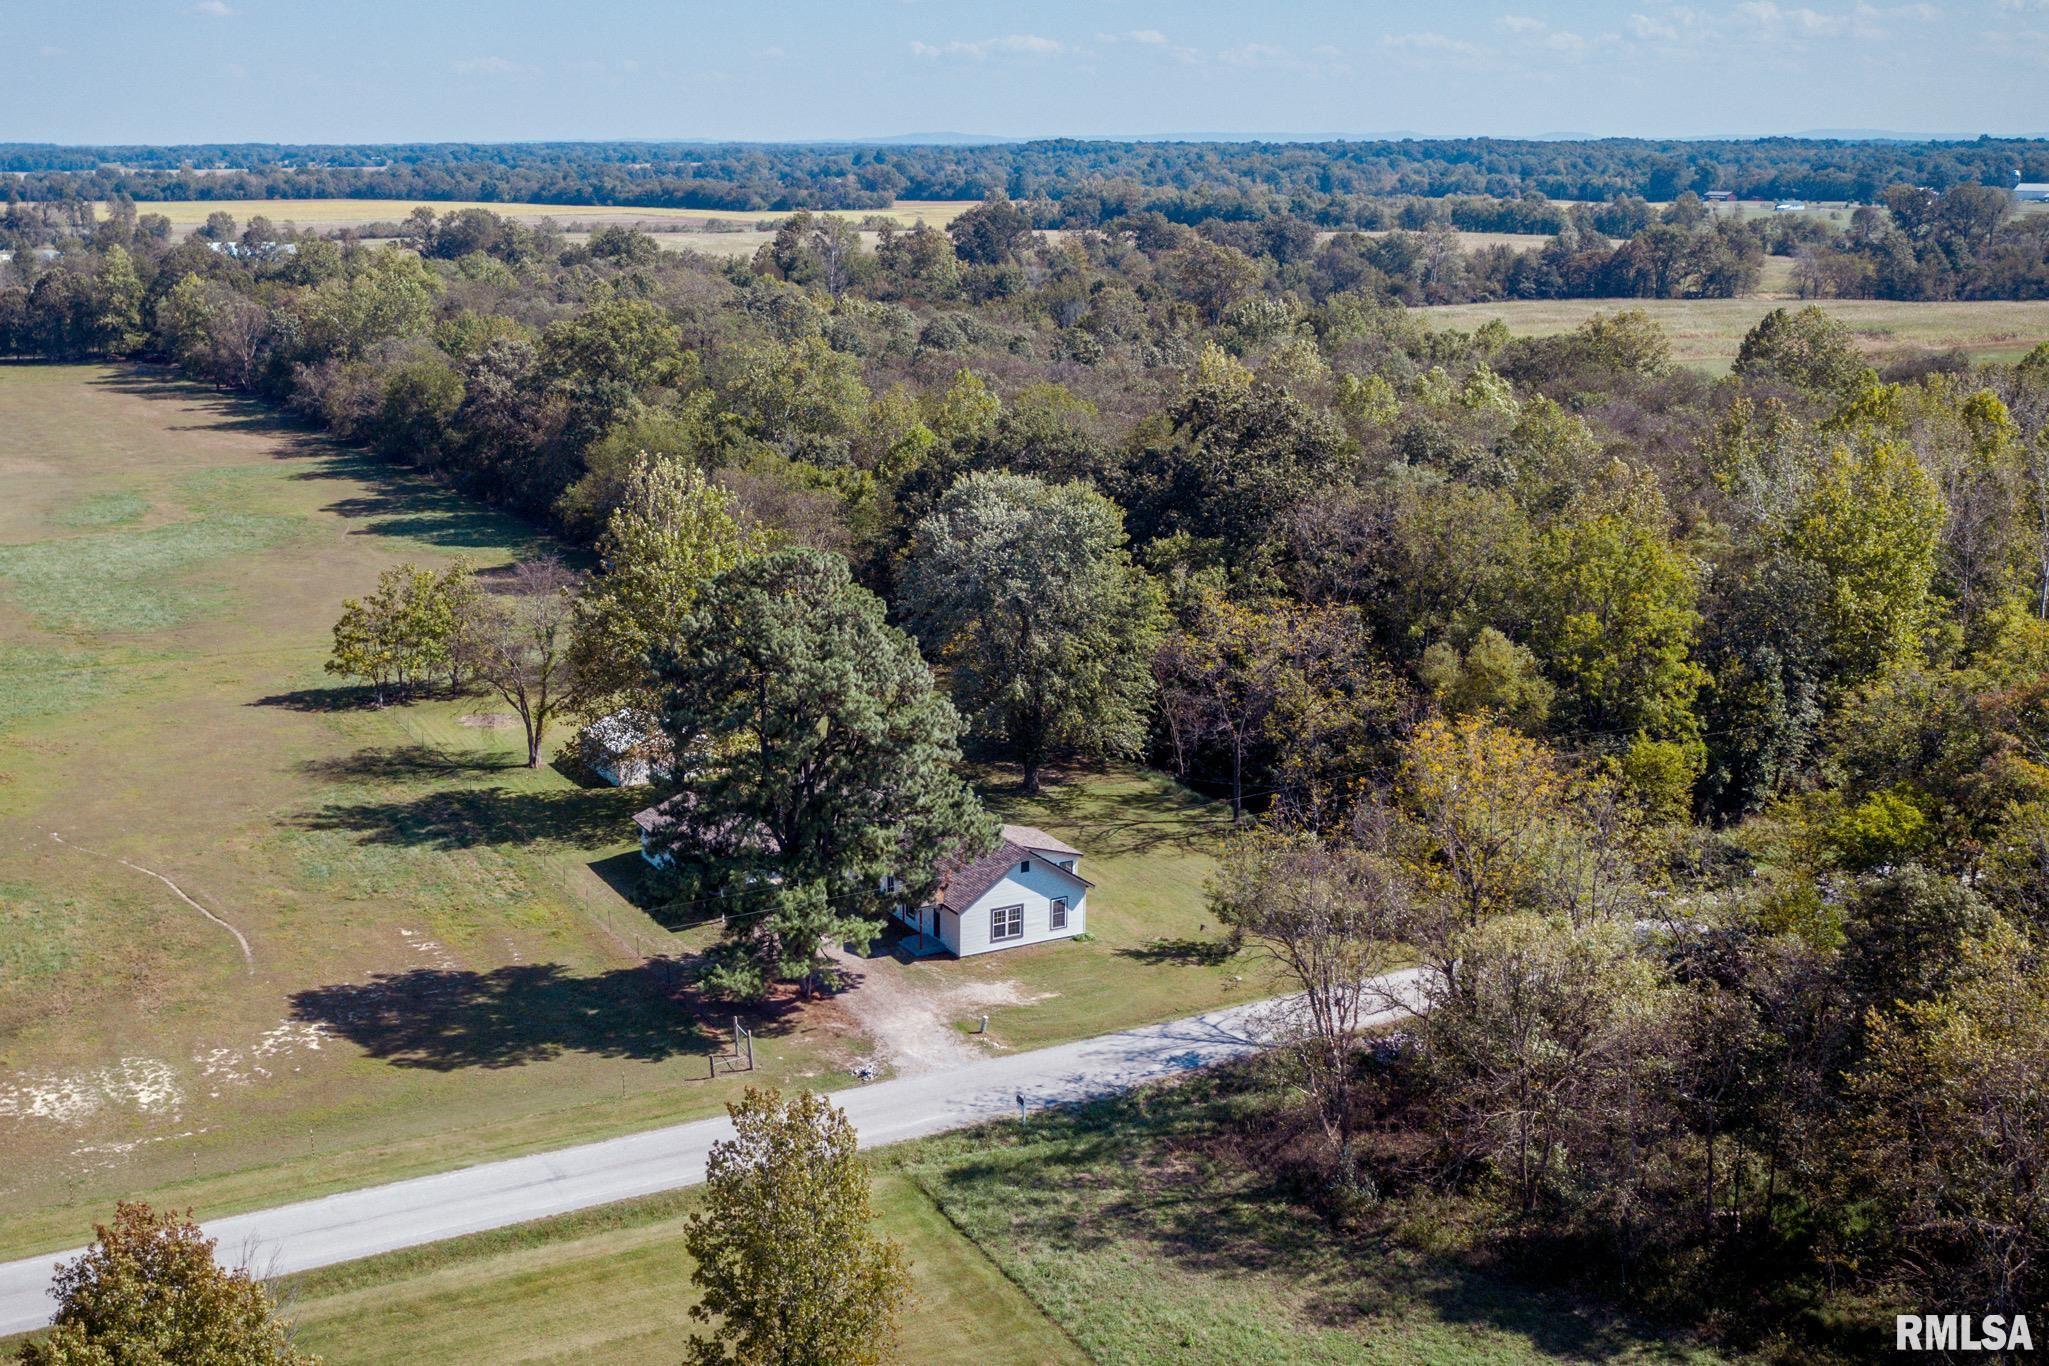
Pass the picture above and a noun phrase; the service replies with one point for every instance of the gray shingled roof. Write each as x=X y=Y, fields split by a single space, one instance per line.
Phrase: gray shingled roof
x=962 y=884
x=1031 y=837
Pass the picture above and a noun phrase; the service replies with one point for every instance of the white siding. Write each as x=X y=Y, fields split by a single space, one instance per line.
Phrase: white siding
x=968 y=933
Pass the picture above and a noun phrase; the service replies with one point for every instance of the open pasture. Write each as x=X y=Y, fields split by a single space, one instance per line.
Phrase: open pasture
x=186 y=215
x=1706 y=333
x=257 y=939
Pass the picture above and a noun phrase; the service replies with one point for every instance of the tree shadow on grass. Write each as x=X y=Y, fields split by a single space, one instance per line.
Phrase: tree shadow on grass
x=444 y=1020
x=471 y=818
x=1208 y=953
x=405 y=763
x=1139 y=821
x=627 y=875
x=348 y=698
x=408 y=506
x=398 y=501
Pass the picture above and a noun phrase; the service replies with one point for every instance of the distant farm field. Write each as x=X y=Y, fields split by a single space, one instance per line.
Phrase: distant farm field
x=1706 y=333
x=188 y=214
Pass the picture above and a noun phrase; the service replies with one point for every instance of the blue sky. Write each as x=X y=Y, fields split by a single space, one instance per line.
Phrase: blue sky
x=391 y=70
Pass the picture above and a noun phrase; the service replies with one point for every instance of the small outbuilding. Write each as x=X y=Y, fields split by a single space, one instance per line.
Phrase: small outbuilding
x=626 y=749
x=683 y=818
x=2032 y=192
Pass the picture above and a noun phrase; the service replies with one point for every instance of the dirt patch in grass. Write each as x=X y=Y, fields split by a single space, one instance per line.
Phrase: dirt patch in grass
x=488 y=720
x=912 y=1018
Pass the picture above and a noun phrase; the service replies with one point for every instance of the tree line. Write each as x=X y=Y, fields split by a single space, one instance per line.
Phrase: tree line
x=1092 y=181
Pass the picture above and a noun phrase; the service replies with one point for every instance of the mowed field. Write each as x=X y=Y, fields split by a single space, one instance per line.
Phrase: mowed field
x=1706 y=333
x=442 y=961
x=437 y=968
x=189 y=214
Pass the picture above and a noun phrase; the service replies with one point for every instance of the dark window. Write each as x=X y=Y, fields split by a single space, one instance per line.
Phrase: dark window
x=1056 y=914
x=1025 y=867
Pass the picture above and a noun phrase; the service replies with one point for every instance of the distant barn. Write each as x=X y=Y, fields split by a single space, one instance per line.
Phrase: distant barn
x=2032 y=191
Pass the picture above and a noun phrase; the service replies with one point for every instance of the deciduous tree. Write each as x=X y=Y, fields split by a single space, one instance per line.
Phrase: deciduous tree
x=148 y=1292
x=1330 y=917
x=522 y=647
x=1026 y=591
x=788 y=1264
x=672 y=532
x=830 y=763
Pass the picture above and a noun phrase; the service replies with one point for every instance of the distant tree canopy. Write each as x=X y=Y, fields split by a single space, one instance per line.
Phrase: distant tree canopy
x=1091 y=182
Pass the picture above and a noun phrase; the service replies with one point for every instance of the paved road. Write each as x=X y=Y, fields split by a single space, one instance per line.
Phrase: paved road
x=363 y=1223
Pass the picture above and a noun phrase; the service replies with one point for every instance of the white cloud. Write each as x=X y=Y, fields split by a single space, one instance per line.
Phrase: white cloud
x=47 y=51
x=1432 y=45
x=1254 y=54
x=1536 y=30
x=1144 y=37
x=215 y=9
x=1862 y=20
x=1022 y=44
x=490 y=66
x=1649 y=30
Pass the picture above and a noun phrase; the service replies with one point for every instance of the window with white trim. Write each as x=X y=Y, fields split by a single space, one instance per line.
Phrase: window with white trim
x=1006 y=922
x=1056 y=914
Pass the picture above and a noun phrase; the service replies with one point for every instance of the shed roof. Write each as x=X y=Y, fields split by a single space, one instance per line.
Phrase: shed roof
x=681 y=816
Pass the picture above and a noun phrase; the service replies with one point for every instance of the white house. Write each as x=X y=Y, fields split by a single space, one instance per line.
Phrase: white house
x=626 y=749
x=2032 y=191
x=1024 y=891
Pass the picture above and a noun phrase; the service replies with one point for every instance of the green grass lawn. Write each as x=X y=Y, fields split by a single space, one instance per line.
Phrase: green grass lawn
x=1138 y=1225
x=1706 y=333
x=614 y=1285
x=1131 y=1230
x=1153 y=949
x=441 y=971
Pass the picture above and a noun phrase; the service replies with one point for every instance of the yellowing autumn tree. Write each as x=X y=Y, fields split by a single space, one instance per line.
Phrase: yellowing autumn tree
x=1871 y=524
x=790 y=1269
